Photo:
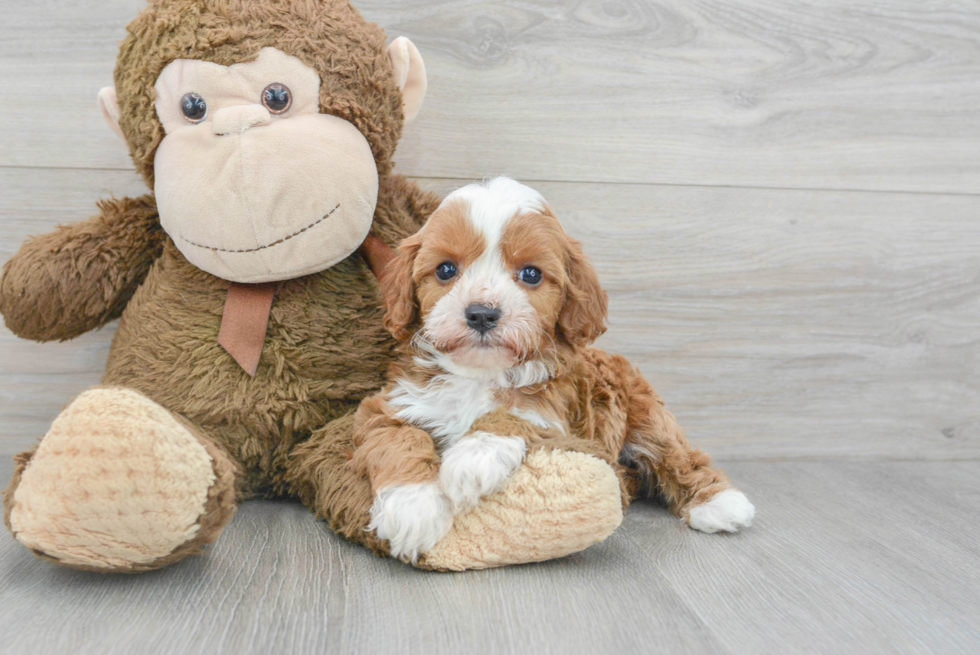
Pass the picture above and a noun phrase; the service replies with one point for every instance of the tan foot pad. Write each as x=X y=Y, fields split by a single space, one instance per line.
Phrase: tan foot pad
x=116 y=482
x=558 y=503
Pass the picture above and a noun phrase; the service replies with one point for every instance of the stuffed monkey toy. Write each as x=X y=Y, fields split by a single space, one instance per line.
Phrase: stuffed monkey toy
x=251 y=323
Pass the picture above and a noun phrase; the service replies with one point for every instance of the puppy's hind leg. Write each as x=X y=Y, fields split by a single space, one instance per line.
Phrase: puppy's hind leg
x=700 y=494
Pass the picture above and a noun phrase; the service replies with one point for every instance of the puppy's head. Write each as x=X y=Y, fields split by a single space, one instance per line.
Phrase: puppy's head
x=493 y=281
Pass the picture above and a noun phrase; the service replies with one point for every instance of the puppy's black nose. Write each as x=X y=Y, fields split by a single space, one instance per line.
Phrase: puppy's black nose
x=482 y=318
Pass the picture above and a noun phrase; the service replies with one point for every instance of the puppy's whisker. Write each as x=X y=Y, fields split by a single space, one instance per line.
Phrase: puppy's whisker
x=554 y=346
x=418 y=341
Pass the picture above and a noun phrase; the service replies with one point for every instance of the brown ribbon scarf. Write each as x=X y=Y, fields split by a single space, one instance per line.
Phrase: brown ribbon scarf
x=247 y=307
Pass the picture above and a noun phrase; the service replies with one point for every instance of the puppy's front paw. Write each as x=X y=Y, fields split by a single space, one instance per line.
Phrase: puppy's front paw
x=412 y=517
x=729 y=510
x=477 y=466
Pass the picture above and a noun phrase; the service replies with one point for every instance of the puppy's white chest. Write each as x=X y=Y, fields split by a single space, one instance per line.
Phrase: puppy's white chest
x=445 y=407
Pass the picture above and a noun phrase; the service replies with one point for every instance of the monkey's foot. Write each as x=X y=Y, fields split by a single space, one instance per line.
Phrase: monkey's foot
x=119 y=484
x=557 y=503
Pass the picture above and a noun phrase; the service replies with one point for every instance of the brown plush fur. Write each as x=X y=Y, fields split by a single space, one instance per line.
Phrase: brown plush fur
x=290 y=429
x=321 y=478
x=80 y=277
x=20 y=463
x=326 y=348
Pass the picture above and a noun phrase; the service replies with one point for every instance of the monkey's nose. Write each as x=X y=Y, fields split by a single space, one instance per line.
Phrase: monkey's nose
x=237 y=119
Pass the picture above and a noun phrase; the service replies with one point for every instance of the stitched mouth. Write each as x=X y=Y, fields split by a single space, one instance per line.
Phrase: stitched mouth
x=268 y=245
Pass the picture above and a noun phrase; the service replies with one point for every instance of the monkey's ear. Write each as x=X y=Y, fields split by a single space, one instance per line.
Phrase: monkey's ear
x=110 y=109
x=409 y=74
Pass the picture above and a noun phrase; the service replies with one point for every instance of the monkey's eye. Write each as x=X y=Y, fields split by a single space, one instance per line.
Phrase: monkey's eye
x=277 y=98
x=530 y=276
x=193 y=107
x=446 y=271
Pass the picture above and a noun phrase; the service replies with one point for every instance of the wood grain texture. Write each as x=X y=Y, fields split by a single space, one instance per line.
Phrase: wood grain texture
x=865 y=94
x=844 y=557
x=57 y=55
x=776 y=323
x=846 y=94
x=793 y=323
x=699 y=149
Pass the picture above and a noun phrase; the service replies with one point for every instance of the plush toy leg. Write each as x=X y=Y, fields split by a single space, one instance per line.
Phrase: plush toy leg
x=559 y=502
x=319 y=475
x=119 y=484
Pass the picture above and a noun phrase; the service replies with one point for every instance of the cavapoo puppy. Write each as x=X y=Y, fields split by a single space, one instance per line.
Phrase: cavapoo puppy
x=496 y=308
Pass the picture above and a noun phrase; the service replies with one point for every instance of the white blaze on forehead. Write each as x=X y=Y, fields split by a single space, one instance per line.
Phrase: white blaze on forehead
x=491 y=204
x=489 y=208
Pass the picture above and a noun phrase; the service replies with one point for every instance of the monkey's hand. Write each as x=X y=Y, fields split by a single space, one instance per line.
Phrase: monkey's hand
x=80 y=277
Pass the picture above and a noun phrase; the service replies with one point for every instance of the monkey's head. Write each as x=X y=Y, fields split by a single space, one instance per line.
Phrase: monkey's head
x=262 y=127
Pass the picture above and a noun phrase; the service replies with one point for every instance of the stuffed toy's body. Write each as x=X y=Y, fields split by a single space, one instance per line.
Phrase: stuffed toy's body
x=251 y=325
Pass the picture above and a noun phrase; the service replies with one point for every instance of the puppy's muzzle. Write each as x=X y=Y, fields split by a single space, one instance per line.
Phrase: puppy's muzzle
x=482 y=318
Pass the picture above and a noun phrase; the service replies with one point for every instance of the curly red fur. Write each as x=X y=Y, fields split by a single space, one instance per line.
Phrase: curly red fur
x=595 y=397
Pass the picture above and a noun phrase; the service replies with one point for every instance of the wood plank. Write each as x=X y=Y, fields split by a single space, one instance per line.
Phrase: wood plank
x=279 y=581
x=776 y=323
x=795 y=323
x=843 y=94
x=57 y=54
x=275 y=578
x=846 y=94
x=844 y=557
x=596 y=601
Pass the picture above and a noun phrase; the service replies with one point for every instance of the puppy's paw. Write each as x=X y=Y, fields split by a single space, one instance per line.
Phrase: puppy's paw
x=412 y=517
x=477 y=466
x=729 y=510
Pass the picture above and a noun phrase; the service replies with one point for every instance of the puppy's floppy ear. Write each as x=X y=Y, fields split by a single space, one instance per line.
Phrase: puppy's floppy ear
x=401 y=310
x=583 y=316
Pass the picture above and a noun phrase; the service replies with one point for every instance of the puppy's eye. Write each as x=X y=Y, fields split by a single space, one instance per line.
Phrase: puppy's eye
x=277 y=98
x=530 y=275
x=193 y=107
x=446 y=271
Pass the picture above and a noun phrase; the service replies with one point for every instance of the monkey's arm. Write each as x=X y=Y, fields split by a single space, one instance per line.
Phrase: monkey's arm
x=80 y=277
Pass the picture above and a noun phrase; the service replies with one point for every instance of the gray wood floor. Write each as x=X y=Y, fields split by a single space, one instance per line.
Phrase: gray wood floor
x=841 y=560
x=783 y=199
